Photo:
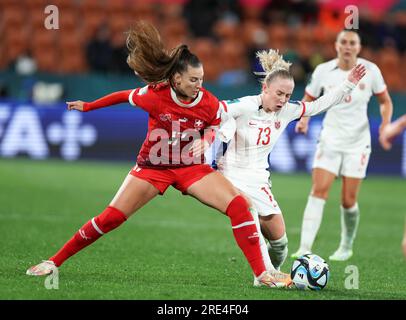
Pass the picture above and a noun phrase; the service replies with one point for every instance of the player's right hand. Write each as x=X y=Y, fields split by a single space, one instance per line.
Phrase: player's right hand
x=302 y=126
x=75 y=105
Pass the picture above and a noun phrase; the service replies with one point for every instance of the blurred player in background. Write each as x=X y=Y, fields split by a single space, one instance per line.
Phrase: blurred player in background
x=404 y=242
x=179 y=109
x=344 y=144
x=253 y=124
x=390 y=132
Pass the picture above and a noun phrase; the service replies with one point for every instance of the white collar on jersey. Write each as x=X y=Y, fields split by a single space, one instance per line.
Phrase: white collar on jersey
x=337 y=67
x=186 y=105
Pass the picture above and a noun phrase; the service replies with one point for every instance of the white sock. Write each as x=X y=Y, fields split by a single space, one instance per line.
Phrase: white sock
x=311 y=222
x=264 y=249
x=349 y=226
x=278 y=251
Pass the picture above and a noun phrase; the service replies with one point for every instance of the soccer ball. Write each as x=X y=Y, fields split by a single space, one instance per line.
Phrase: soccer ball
x=310 y=272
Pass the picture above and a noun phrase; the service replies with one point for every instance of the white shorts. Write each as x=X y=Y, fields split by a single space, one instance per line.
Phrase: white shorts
x=256 y=188
x=352 y=165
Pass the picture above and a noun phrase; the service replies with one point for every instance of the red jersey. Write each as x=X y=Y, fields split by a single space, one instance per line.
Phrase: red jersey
x=173 y=125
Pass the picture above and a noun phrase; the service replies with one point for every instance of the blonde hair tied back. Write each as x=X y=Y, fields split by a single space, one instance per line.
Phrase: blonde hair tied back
x=273 y=64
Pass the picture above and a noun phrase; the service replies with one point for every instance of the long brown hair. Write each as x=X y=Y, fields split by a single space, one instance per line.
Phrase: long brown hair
x=150 y=60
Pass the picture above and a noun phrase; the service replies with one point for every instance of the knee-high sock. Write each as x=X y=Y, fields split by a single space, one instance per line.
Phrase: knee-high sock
x=278 y=251
x=349 y=226
x=246 y=233
x=312 y=217
x=108 y=220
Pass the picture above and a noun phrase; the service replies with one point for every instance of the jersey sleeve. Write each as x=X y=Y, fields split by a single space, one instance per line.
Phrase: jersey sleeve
x=378 y=83
x=227 y=130
x=144 y=98
x=313 y=88
x=108 y=100
x=328 y=100
x=294 y=110
x=232 y=109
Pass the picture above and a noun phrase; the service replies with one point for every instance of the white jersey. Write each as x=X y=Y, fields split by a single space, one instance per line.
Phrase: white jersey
x=254 y=132
x=346 y=125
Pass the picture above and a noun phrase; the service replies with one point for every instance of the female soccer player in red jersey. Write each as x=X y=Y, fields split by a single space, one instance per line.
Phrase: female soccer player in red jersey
x=179 y=111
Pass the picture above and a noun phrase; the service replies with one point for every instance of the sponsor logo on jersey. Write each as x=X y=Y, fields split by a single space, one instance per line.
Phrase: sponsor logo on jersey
x=183 y=119
x=165 y=117
x=256 y=122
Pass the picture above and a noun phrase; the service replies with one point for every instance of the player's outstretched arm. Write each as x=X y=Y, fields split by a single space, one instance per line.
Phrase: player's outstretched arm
x=335 y=96
x=111 y=99
x=302 y=126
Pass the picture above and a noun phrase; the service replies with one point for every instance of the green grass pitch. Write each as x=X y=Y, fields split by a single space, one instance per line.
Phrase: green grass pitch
x=175 y=247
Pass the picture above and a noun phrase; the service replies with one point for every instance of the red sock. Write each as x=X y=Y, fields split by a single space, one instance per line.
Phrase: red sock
x=108 y=220
x=246 y=233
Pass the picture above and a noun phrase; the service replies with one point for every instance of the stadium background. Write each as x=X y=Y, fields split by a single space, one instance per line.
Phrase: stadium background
x=85 y=59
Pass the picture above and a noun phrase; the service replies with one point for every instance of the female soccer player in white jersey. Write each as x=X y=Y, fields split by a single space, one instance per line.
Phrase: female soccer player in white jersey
x=344 y=144
x=254 y=124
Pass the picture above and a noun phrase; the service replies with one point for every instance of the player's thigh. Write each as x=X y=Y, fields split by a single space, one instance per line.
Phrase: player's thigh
x=322 y=180
x=327 y=159
x=350 y=190
x=326 y=166
x=133 y=194
x=214 y=190
x=272 y=226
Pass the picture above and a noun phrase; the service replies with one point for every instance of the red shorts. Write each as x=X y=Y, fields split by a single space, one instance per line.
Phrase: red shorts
x=180 y=178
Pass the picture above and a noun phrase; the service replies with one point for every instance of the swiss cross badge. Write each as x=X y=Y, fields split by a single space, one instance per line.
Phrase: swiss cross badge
x=198 y=124
x=277 y=124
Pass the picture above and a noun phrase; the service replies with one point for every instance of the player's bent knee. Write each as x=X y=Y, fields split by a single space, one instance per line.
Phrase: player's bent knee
x=248 y=200
x=349 y=201
x=349 y=204
x=320 y=193
x=238 y=210
x=109 y=219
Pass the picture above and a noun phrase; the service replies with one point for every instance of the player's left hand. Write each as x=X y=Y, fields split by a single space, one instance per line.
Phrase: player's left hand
x=199 y=147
